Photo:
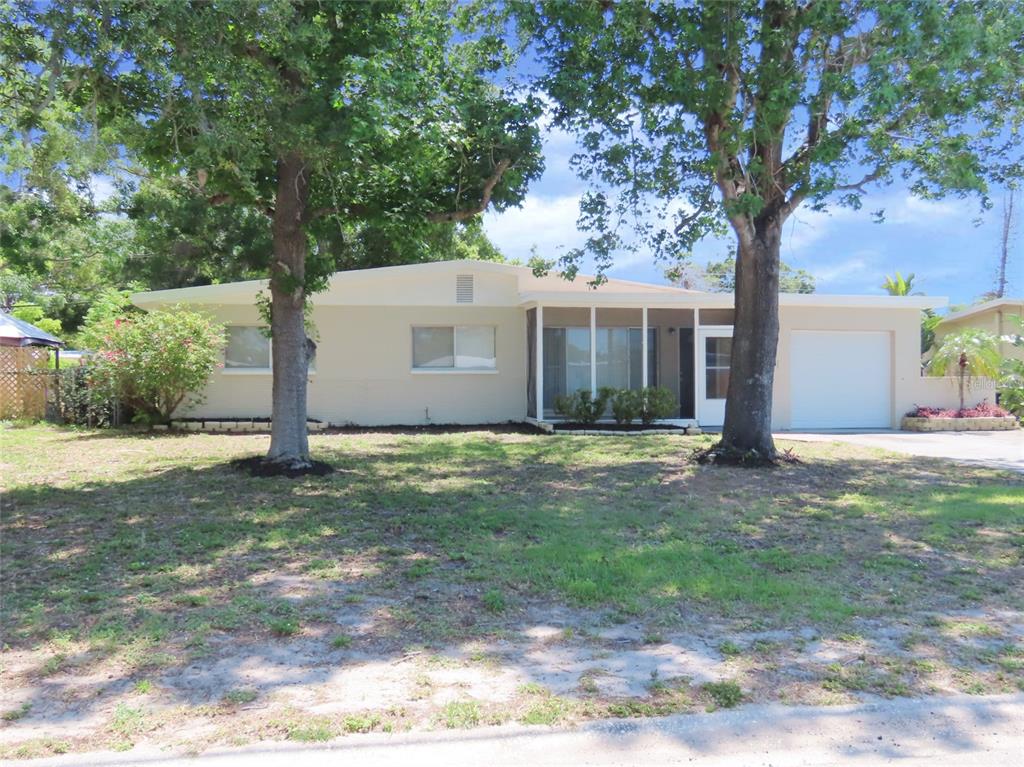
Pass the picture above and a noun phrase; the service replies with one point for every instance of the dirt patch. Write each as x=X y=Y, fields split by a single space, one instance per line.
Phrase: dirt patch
x=545 y=661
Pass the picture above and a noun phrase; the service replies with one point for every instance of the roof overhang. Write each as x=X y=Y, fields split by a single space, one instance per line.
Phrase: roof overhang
x=723 y=300
x=225 y=293
x=995 y=304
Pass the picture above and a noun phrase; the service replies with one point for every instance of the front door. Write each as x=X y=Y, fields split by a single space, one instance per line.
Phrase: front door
x=713 y=376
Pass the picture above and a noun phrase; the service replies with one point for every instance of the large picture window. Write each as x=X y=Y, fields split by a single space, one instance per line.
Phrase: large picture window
x=453 y=347
x=247 y=349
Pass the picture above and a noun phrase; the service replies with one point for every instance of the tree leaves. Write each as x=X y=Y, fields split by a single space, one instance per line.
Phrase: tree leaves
x=777 y=103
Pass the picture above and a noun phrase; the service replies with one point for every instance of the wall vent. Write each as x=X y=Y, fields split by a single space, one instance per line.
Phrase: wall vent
x=463 y=288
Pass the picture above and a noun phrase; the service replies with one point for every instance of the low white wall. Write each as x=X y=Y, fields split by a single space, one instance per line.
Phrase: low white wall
x=944 y=391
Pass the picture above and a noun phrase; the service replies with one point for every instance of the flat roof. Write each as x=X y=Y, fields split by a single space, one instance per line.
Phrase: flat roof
x=545 y=290
x=726 y=300
x=995 y=303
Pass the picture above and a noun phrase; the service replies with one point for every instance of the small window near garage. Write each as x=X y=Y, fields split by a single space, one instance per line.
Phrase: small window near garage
x=247 y=349
x=459 y=347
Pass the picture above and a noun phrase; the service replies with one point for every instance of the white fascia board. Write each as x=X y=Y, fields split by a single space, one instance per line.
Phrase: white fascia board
x=854 y=301
x=724 y=300
x=625 y=300
x=224 y=293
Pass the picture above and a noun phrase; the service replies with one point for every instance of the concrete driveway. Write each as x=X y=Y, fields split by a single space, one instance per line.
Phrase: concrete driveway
x=994 y=449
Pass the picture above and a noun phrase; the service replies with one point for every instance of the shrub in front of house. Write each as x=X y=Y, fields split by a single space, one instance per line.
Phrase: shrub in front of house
x=153 y=362
x=581 y=407
x=656 y=402
x=626 y=405
x=1011 y=387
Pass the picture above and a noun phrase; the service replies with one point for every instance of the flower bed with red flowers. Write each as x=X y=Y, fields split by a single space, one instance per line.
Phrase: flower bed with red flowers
x=981 y=410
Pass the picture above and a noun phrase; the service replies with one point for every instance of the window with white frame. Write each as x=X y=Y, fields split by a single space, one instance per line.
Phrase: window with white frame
x=248 y=348
x=453 y=347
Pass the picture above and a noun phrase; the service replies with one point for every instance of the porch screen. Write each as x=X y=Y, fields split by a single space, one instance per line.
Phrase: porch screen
x=620 y=354
x=619 y=359
x=566 y=362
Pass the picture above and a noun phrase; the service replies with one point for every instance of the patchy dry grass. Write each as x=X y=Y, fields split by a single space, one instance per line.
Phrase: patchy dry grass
x=151 y=592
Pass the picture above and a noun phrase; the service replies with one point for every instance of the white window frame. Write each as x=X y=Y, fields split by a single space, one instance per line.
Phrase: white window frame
x=270 y=357
x=269 y=370
x=455 y=351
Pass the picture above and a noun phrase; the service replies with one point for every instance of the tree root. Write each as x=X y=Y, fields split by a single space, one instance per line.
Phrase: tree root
x=261 y=466
x=723 y=455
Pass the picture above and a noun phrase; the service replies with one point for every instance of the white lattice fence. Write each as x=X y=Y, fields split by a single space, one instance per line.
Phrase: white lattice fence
x=25 y=382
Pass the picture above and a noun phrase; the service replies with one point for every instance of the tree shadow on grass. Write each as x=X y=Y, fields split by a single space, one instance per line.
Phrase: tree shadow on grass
x=211 y=581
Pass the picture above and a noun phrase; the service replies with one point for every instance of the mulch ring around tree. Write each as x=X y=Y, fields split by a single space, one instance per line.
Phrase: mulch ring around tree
x=259 y=466
x=720 y=455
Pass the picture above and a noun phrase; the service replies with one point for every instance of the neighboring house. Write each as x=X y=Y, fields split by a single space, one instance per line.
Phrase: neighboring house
x=996 y=316
x=457 y=342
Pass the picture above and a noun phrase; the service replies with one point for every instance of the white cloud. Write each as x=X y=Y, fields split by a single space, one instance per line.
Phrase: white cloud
x=913 y=211
x=806 y=227
x=549 y=223
x=842 y=270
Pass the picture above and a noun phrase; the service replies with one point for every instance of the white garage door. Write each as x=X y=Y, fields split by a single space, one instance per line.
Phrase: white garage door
x=840 y=379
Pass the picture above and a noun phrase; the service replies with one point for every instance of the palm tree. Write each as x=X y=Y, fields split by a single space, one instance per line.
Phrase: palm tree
x=967 y=353
x=901 y=286
x=898 y=285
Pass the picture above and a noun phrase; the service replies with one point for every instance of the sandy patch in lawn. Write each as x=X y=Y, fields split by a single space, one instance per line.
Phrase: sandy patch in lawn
x=239 y=689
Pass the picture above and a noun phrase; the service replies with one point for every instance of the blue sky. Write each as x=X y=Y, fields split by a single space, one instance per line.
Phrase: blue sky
x=845 y=250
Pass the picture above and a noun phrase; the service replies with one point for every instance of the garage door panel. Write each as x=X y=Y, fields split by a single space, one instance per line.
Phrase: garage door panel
x=840 y=379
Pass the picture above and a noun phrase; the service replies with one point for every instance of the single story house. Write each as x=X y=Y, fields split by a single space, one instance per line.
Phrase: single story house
x=473 y=342
x=996 y=316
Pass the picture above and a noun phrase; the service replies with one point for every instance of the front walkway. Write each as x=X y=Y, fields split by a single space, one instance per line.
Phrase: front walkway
x=994 y=449
x=937 y=732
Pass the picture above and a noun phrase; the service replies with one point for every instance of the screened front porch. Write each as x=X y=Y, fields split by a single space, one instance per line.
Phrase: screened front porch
x=685 y=350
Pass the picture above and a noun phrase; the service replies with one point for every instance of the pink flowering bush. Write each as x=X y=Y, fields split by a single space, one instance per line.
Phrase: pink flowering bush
x=981 y=410
x=153 y=361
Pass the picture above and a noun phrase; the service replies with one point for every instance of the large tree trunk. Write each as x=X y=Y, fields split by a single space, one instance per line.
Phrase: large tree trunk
x=289 y=442
x=747 y=433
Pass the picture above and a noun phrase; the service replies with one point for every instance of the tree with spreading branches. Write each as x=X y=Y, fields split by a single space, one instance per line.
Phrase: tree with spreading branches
x=318 y=114
x=698 y=117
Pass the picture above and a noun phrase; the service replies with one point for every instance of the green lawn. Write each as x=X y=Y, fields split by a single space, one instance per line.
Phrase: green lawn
x=141 y=549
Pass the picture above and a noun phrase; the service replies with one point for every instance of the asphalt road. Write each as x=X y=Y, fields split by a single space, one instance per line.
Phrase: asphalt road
x=938 y=732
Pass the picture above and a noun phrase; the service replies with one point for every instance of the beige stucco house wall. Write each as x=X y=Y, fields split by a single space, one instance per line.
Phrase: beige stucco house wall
x=364 y=370
x=994 y=316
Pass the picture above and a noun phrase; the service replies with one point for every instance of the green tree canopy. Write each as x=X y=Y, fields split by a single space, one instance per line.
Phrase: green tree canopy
x=333 y=120
x=700 y=116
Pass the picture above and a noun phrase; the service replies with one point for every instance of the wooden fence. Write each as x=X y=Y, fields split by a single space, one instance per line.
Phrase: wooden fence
x=27 y=385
